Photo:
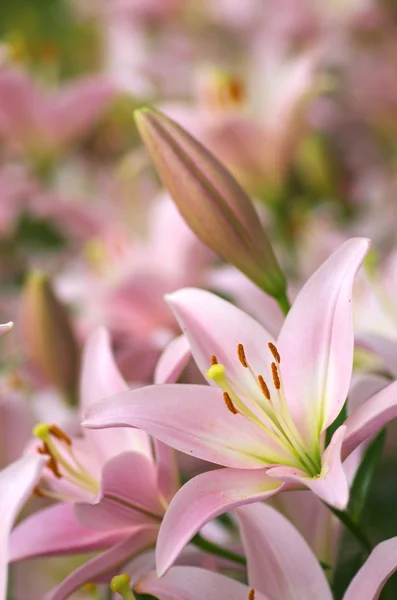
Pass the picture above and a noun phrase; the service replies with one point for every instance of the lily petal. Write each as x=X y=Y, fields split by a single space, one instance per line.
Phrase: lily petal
x=193 y=583
x=172 y=361
x=168 y=482
x=192 y=419
x=203 y=498
x=129 y=495
x=370 y=417
x=214 y=326
x=331 y=485
x=370 y=579
x=280 y=562
x=54 y=531
x=16 y=484
x=107 y=564
x=383 y=347
x=317 y=339
x=100 y=378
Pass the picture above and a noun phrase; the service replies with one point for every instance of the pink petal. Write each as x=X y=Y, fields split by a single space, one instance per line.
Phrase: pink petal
x=280 y=563
x=214 y=326
x=363 y=388
x=172 y=361
x=168 y=482
x=369 y=418
x=370 y=579
x=192 y=419
x=100 y=378
x=192 y=583
x=331 y=485
x=383 y=347
x=129 y=495
x=54 y=531
x=107 y=564
x=249 y=297
x=316 y=342
x=203 y=498
x=16 y=484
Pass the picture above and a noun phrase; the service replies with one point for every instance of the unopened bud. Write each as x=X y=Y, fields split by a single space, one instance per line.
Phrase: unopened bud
x=210 y=200
x=48 y=334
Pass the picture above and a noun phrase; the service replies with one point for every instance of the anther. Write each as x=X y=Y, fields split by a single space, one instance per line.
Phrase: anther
x=251 y=595
x=229 y=403
x=276 y=378
x=264 y=388
x=37 y=492
x=275 y=352
x=241 y=355
x=53 y=466
x=60 y=435
x=214 y=360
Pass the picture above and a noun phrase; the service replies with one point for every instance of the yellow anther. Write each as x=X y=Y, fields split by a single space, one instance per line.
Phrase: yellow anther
x=42 y=431
x=217 y=373
x=120 y=584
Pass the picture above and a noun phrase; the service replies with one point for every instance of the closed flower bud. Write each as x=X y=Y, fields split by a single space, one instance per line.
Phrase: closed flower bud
x=48 y=334
x=210 y=200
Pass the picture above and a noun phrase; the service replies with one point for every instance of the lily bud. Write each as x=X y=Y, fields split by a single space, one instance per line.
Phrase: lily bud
x=48 y=334
x=210 y=200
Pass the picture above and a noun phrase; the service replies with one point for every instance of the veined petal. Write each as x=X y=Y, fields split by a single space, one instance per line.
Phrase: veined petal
x=316 y=342
x=370 y=579
x=16 y=483
x=128 y=497
x=203 y=498
x=370 y=417
x=54 y=531
x=331 y=485
x=193 y=583
x=192 y=419
x=168 y=481
x=216 y=327
x=172 y=361
x=100 y=378
x=107 y=564
x=280 y=562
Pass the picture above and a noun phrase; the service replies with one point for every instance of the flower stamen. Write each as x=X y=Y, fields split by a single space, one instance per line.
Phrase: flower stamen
x=251 y=595
x=275 y=352
x=214 y=360
x=229 y=403
x=275 y=375
x=264 y=389
x=241 y=355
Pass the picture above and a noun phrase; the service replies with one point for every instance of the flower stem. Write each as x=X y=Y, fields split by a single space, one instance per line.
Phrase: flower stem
x=354 y=529
x=213 y=548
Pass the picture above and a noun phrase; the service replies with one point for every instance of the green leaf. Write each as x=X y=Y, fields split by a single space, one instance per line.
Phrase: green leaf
x=340 y=419
x=363 y=479
x=38 y=233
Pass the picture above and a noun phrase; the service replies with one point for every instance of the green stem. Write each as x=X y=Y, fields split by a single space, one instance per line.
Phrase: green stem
x=213 y=548
x=354 y=529
x=283 y=302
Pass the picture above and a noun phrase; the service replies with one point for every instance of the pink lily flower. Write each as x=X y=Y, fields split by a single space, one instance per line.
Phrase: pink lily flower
x=36 y=121
x=98 y=508
x=281 y=566
x=267 y=422
x=16 y=483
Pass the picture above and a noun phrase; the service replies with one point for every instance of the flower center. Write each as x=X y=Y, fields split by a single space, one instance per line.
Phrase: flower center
x=62 y=460
x=266 y=405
